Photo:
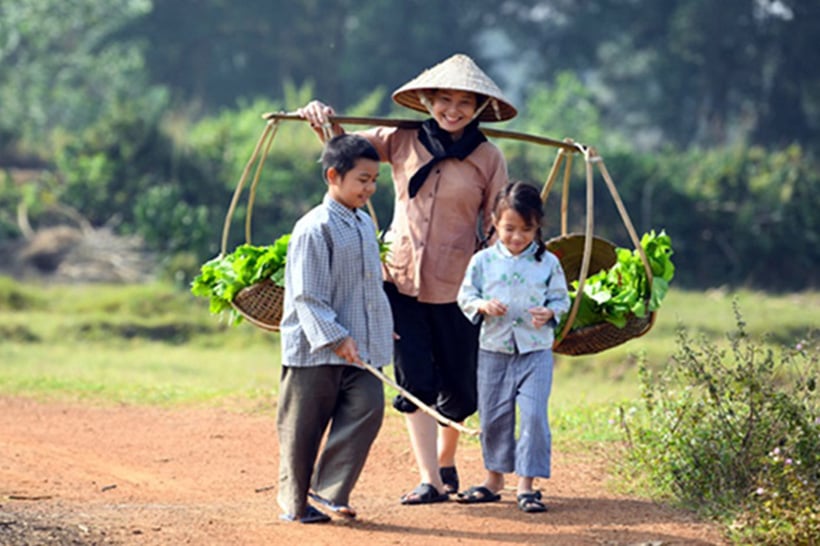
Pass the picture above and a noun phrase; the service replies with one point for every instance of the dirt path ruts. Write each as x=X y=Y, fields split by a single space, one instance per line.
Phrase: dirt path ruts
x=81 y=474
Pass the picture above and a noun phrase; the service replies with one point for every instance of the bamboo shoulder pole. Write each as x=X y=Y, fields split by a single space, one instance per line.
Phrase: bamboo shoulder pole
x=412 y=124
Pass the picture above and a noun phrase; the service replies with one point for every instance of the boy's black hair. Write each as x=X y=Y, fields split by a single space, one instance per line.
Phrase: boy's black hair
x=525 y=200
x=341 y=152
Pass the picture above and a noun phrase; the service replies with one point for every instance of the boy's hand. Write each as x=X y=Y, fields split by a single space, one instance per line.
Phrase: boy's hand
x=541 y=315
x=493 y=308
x=347 y=350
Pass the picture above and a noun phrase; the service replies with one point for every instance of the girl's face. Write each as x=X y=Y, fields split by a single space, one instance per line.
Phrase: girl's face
x=513 y=232
x=356 y=186
x=453 y=110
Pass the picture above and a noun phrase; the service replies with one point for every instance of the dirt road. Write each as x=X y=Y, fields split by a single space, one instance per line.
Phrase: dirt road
x=81 y=475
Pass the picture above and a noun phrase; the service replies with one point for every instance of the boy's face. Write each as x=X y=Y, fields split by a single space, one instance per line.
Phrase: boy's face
x=453 y=110
x=356 y=186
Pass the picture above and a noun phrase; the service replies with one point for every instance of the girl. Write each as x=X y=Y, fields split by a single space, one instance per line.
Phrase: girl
x=445 y=176
x=520 y=291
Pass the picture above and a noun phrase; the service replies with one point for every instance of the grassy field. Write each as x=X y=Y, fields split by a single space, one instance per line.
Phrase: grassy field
x=156 y=344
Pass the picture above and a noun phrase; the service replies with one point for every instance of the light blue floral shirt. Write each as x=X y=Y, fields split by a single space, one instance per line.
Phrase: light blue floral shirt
x=520 y=282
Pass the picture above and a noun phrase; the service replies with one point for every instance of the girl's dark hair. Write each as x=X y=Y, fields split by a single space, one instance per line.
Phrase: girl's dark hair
x=341 y=152
x=525 y=200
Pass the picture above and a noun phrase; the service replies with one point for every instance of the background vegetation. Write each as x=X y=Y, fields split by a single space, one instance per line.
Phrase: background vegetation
x=145 y=112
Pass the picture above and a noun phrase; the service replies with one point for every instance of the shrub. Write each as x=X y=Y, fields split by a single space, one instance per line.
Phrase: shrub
x=735 y=434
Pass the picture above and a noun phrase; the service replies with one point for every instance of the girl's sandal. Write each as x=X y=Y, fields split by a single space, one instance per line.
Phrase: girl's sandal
x=531 y=502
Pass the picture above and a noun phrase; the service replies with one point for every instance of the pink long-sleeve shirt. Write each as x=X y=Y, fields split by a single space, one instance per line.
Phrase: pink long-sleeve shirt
x=433 y=235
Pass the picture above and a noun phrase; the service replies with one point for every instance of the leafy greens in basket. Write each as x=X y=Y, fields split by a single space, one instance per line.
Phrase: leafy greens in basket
x=221 y=278
x=613 y=294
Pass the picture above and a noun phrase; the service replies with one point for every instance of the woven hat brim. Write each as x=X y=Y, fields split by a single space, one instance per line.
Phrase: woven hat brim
x=459 y=73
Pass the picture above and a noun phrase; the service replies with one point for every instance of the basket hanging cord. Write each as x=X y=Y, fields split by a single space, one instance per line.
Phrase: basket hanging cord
x=565 y=195
x=582 y=275
x=627 y=222
x=591 y=157
x=563 y=156
x=270 y=128
x=372 y=212
x=252 y=194
x=556 y=164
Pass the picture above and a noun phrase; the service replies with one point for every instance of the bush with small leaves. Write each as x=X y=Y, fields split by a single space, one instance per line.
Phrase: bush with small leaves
x=735 y=434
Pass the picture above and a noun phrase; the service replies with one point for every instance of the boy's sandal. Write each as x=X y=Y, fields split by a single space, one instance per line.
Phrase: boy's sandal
x=449 y=475
x=424 y=493
x=477 y=494
x=312 y=515
x=342 y=510
x=531 y=502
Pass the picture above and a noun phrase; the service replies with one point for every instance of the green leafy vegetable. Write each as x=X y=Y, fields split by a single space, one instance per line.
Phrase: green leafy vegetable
x=612 y=295
x=221 y=278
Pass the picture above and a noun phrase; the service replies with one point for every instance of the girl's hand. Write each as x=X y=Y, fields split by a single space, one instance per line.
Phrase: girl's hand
x=541 y=315
x=493 y=308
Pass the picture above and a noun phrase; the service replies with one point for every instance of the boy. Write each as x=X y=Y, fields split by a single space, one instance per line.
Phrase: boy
x=336 y=315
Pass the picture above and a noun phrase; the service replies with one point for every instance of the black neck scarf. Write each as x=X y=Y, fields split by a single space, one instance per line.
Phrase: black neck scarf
x=439 y=143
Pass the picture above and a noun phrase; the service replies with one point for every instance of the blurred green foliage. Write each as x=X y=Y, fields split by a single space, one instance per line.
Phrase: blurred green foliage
x=143 y=115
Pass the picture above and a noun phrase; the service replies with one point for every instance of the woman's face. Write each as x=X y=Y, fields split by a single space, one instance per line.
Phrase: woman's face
x=453 y=110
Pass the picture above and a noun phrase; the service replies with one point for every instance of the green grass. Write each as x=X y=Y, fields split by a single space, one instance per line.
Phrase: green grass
x=135 y=344
x=589 y=391
x=156 y=344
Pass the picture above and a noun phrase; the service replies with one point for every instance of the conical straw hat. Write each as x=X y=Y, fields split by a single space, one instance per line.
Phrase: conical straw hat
x=459 y=72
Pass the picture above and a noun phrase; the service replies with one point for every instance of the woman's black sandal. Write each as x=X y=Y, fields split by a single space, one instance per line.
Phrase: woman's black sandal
x=449 y=476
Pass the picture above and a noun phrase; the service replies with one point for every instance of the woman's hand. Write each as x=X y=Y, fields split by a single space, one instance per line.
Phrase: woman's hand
x=318 y=115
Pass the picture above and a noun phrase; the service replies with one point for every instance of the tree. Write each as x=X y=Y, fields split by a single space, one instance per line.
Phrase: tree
x=60 y=67
x=213 y=52
x=697 y=71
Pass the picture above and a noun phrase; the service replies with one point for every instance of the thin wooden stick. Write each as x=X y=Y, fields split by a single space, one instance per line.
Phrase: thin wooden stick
x=421 y=405
x=585 y=259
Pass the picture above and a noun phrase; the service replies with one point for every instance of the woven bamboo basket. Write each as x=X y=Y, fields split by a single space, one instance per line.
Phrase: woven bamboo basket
x=598 y=337
x=584 y=254
x=261 y=304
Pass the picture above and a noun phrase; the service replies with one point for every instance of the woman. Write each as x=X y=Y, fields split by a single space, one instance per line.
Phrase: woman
x=445 y=175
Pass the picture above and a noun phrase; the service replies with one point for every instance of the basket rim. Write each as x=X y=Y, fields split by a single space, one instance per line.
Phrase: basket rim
x=268 y=284
x=576 y=339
